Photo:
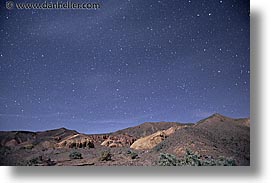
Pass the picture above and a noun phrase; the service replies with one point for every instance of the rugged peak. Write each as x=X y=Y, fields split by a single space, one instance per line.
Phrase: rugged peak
x=63 y=129
x=212 y=118
x=219 y=116
x=57 y=130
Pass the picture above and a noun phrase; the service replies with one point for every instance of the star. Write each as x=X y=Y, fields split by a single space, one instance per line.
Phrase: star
x=130 y=61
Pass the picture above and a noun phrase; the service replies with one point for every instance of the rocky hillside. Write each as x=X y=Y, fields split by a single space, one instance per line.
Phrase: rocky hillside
x=150 y=141
x=147 y=128
x=47 y=139
x=212 y=137
x=216 y=136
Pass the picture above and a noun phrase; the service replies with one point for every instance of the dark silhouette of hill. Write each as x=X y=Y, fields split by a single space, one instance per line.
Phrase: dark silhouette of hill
x=18 y=137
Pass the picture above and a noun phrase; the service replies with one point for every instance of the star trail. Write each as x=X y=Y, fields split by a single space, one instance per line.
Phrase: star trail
x=123 y=64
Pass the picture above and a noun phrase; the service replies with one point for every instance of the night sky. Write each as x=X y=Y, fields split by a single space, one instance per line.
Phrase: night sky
x=124 y=64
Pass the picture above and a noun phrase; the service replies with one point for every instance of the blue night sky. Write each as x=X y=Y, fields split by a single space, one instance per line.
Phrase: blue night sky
x=126 y=63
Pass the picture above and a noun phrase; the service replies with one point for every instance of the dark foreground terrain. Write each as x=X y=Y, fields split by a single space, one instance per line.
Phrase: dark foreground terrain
x=216 y=140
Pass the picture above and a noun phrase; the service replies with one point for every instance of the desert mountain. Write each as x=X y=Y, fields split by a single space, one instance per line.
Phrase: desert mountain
x=47 y=139
x=147 y=128
x=16 y=137
x=214 y=136
x=126 y=137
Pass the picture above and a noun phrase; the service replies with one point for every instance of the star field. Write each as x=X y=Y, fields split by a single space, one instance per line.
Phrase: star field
x=123 y=64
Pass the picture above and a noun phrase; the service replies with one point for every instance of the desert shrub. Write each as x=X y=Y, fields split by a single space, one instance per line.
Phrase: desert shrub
x=160 y=146
x=4 y=150
x=223 y=161
x=129 y=152
x=209 y=161
x=132 y=154
x=34 y=161
x=191 y=159
x=105 y=156
x=194 y=159
x=40 y=161
x=166 y=159
x=75 y=155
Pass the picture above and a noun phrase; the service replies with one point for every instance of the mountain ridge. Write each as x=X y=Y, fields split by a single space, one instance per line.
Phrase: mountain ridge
x=216 y=135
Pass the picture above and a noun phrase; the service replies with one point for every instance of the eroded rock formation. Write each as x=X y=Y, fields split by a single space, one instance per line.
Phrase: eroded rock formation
x=154 y=139
x=77 y=141
x=123 y=140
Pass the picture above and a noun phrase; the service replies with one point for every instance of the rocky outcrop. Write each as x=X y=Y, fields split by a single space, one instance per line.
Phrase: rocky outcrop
x=147 y=128
x=154 y=139
x=14 y=138
x=77 y=141
x=123 y=140
x=11 y=143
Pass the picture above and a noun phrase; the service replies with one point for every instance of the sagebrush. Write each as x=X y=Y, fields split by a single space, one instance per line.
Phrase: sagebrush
x=75 y=155
x=193 y=159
